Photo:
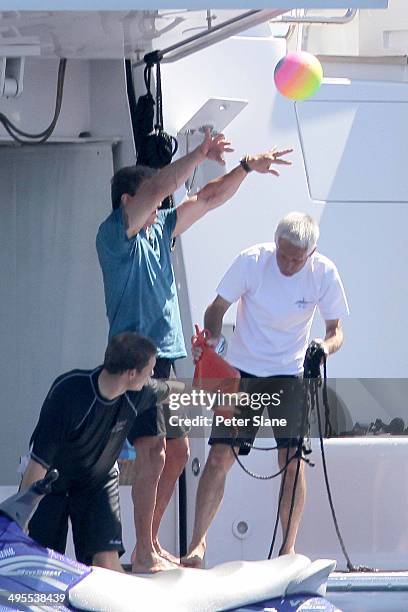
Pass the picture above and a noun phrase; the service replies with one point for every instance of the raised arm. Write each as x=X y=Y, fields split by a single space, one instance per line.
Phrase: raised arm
x=220 y=190
x=155 y=189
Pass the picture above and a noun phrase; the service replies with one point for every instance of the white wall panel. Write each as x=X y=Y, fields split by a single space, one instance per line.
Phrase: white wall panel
x=351 y=136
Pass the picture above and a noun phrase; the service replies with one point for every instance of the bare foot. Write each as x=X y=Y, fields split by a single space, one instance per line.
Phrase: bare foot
x=193 y=561
x=165 y=553
x=286 y=551
x=151 y=564
x=195 y=558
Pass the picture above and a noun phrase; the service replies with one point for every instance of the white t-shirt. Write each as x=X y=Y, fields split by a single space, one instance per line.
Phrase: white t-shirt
x=275 y=312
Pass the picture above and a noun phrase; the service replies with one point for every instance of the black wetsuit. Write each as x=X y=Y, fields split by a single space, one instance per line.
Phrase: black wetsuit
x=81 y=434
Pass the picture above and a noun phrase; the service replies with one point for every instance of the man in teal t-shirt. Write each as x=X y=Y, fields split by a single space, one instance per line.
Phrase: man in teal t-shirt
x=134 y=245
x=140 y=287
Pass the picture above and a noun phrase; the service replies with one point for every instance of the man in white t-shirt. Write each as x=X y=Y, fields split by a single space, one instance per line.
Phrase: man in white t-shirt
x=278 y=287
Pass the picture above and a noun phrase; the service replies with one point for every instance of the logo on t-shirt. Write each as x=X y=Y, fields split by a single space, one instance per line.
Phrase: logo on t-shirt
x=303 y=303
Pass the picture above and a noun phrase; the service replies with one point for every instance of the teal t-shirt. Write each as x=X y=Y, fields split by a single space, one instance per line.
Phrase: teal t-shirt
x=139 y=283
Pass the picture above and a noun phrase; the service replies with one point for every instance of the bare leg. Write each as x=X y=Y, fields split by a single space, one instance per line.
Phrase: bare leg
x=108 y=559
x=300 y=497
x=149 y=463
x=209 y=496
x=177 y=453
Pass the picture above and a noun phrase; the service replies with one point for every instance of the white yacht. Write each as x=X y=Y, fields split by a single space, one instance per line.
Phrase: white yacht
x=350 y=147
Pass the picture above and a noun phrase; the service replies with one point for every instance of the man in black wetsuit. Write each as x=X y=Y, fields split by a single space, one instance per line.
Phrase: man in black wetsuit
x=83 y=424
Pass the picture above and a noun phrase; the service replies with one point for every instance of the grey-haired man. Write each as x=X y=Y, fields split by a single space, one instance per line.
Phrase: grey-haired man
x=278 y=287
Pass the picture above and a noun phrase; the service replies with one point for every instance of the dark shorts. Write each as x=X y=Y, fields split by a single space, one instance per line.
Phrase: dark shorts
x=155 y=420
x=95 y=519
x=284 y=399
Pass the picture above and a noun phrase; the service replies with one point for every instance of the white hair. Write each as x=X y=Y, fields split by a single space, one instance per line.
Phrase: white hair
x=299 y=229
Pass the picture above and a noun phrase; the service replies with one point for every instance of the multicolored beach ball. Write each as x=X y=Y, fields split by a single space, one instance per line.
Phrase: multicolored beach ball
x=298 y=76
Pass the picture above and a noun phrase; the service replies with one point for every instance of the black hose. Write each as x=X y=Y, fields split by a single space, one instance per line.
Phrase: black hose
x=315 y=401
x=275 y=528
x=132 y=102
x=41 y=137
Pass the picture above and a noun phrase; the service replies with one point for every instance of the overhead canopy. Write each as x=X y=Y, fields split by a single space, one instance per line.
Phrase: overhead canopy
x=104 y=34
x=119 y=33
x=118 y=5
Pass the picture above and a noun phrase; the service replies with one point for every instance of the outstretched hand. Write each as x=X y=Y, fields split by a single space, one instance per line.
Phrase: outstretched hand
x=263 y=162
x=214 y=146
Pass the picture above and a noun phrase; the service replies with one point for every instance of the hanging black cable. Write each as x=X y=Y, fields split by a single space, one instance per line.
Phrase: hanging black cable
x=132 y=102
x=313 y=359
x=328 y=429
x=275 y=527
x=315 y=399
x=159 y=107
x=24 y=137
x=316 y=356
x=314 y=394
